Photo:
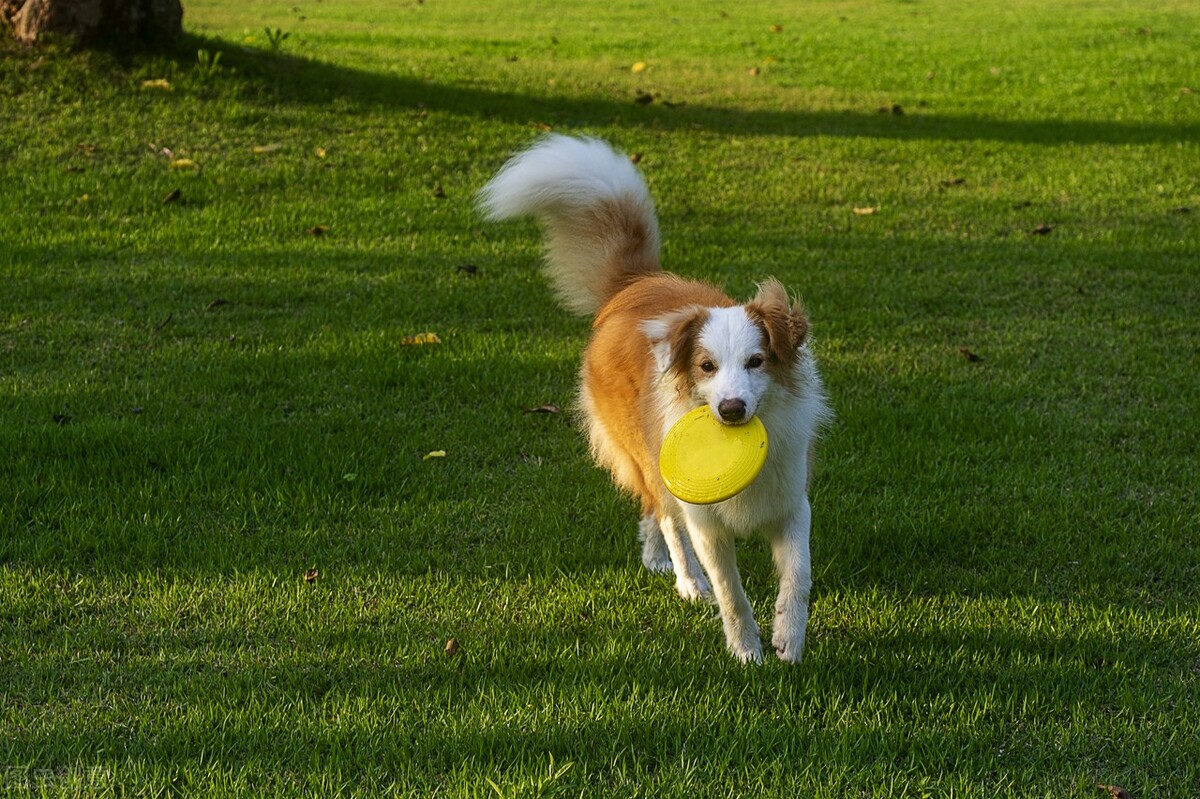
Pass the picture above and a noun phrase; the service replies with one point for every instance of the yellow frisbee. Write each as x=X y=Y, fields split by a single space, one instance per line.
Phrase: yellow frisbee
x=703 y=461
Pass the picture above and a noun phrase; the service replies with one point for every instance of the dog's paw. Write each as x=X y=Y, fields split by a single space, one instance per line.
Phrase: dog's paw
x=742 y=639
x=788 y=636
x=747 y=651
x=789 y=651
x=693 y=590
x=655 y=555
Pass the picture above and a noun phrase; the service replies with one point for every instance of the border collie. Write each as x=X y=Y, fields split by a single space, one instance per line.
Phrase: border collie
x=661 y=346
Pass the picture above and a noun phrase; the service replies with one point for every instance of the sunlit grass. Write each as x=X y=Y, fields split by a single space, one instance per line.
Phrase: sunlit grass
x=204 y=398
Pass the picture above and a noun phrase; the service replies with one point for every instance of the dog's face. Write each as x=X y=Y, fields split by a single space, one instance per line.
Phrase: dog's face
x=731 y=358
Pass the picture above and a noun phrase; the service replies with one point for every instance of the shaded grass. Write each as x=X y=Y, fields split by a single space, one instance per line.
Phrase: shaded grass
x=1005 y=551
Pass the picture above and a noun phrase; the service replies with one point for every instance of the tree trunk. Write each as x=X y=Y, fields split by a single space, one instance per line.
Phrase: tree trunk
x=121 y=22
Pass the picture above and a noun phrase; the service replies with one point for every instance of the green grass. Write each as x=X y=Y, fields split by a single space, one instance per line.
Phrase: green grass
x=1006 y=550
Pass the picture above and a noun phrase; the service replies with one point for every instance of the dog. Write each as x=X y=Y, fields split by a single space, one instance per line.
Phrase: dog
x=661 y=346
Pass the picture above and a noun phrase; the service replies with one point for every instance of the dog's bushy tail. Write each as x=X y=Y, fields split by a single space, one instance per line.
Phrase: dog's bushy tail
x=601 y=229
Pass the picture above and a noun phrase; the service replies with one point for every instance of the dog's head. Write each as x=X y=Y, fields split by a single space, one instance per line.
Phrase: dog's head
x=731 y=358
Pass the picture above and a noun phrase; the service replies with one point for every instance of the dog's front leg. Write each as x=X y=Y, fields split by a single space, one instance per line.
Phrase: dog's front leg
x=715 y=548
x=789 y=545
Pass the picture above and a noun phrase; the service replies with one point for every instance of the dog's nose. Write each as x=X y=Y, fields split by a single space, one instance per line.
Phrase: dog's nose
x=732 y=410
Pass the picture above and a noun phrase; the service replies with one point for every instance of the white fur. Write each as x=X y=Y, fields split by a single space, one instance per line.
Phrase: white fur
x=774 y=505
x=732 y=339
x=562 y=180
x=655 y=555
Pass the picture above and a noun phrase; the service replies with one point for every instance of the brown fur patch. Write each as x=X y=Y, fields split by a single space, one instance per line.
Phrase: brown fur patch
x=620 y=375
x=634 y=247
x=695 y=371
x=655 y=295
x=784 y=326
x=685 y=355
x=595 y=252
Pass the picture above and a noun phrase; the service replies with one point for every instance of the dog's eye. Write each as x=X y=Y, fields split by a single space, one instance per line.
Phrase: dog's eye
x=754 y=362
x=708 y=366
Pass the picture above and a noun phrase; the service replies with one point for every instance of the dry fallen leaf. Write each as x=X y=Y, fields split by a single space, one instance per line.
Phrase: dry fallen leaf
x=266 y=149
x=1115 y=791
x=318 y=230
x=970 y=356
x=754 y=72
x=311 y=576
x=174 y=196
x=640 y=66
x=184 y=163
x=1042 y=230
x=437 y=453
x=547 y=408
x=319 y=152
x=635 y=158
x=776 y=29
x=420 y=338
x=439 y=192
x=157 y=83
x=868 y=211
x=953 y=182
x=452 y=647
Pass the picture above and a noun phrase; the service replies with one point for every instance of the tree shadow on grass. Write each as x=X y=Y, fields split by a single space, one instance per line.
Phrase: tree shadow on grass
x=294 y=79
x=300 y=441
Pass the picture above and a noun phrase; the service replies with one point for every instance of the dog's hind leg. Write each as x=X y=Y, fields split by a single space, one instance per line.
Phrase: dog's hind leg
x=689 y=577
x=655 y=556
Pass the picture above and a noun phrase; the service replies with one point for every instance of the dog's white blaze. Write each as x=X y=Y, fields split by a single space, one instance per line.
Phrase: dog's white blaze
x=732 y=339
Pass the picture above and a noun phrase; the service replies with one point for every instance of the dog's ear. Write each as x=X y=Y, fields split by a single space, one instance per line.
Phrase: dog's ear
x=673 y=337
x=784 y=322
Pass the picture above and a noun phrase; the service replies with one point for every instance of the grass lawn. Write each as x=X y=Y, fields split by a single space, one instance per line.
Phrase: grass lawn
x=227 y=567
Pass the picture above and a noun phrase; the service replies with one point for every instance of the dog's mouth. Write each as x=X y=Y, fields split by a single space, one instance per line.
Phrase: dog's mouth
x=738 y=423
